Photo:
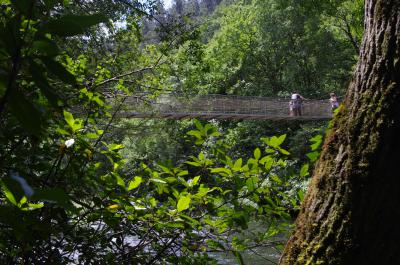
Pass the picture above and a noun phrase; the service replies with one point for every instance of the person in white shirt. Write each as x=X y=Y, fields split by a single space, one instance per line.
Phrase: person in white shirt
x=334 y=101
x=295 y=104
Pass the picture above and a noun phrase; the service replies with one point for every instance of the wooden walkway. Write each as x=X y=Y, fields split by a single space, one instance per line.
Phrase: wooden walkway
x=169 y=106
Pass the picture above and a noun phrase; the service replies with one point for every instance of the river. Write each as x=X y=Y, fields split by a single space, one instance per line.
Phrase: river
x=264 y=255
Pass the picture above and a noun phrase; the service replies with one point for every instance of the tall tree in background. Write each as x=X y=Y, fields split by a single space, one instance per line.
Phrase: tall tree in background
x=196 y=7
x=209 y=5
x=350 y=214
x=179 y=6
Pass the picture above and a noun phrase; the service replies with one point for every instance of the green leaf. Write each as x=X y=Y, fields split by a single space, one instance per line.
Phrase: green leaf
x=300 y=195
x=70 y=25
x=9 y=195
x=202 y=156
x=238 y=165
x=238 y=257
x=183 y=203
x=26 y=113
x=33 y=206
x=191 y=220
x=269 y=151
x=113 y=147
x=199 y=142
x=283 y=151
x=69 y=118
x=275 y=141
x=59 y=70
x=304 y=170
x=120 y=181
x=198 y=125
x=183 y=173
x=156 y=180
x=222 y=171
x=133 y=184
x=91 y=136
x=257 y=153
x=43 y=85
x=45 y=47
x=317 y=140
x=195 y=164
x=281 y=139
x=313 y=156
x=265 y=159
x=55 y=195
x=215 y=134
x=165 y=169
x=194 y=181
x=210 y=130
x=251 y=183
x=196 y=134
x=276 y=179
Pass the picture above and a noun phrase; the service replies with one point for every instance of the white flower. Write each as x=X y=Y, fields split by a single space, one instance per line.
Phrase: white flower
x=69 y=142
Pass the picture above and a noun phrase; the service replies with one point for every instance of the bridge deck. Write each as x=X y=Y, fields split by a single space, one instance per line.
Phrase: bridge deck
x=170 y=106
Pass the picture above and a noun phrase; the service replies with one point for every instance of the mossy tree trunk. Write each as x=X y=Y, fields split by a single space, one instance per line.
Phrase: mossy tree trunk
x=351 y=214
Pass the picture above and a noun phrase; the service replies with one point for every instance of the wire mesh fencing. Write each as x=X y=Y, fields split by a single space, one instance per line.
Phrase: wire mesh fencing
x=221 y=107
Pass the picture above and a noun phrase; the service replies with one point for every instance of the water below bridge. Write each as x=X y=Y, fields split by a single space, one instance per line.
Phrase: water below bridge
x=173 y=106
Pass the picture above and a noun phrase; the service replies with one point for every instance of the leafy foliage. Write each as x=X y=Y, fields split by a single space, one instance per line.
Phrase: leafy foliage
x=76 y=188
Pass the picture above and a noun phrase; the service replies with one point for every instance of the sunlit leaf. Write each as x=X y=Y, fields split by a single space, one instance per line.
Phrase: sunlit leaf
x=33 y=206
x=133 y=184
x=113 y=147
x=70 y=25
x=222 y=171
x=257 y=153
x=156 y=180
x=313 y=156
x=120 y=181
x=317 y=140
x=195 y=164
x=9 y=195
x=304 y=170
x=251 y=183
x=276 y=179
x=300 y=195
x=183 y=203
x=113 y=207
x=69 y=118
x=183 y=173
x=194 y=181
x=196 y=134
x=238 y=164
x=283 y=151
x=198 y=125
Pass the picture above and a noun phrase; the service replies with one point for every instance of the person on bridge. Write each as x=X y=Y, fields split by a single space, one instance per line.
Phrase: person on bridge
x=334 y=101
x=295 y=104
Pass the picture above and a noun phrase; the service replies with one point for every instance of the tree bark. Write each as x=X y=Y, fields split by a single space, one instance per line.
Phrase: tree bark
x=351 y=212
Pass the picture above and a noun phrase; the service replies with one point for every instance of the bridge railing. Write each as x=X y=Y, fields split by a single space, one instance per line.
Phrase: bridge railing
x=222 y=104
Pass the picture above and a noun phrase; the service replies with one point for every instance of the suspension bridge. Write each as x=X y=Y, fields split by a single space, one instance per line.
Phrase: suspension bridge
x=175 y=106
